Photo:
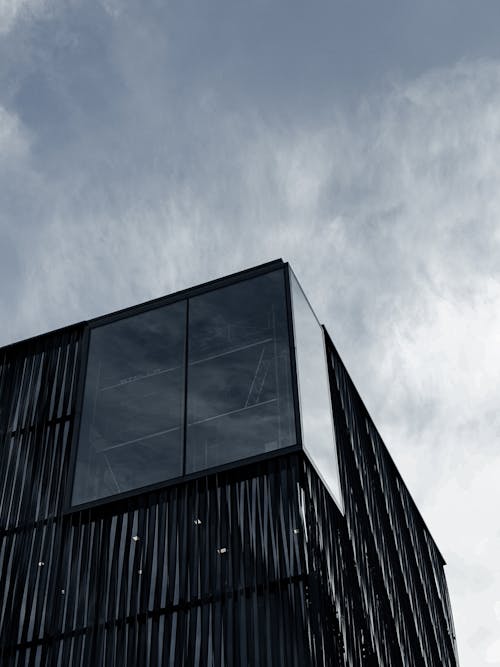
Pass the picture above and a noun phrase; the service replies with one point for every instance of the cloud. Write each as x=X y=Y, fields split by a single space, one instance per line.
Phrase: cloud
x=14 y=143
x=16 y=180
x=126 y=182
x=12 y=11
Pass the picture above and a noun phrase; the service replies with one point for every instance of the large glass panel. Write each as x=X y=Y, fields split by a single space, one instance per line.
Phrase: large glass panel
x=132 y=422
x=239 y=398
x=318 y=436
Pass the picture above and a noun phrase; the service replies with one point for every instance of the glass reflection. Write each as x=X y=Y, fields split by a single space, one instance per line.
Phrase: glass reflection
x=239 y=380
x=131 y=430
x=238 y=399
x=318 y=436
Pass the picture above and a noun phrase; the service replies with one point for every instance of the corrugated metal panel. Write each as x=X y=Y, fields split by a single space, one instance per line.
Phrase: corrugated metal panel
x=250 y=566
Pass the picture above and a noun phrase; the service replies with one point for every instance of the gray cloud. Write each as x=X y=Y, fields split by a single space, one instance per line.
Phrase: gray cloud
x=15 y=11
x=144 y=151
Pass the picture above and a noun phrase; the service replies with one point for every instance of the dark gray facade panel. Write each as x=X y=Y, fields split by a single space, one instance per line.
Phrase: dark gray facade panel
x=399 y=568
x=252 y=565
x=37 y=415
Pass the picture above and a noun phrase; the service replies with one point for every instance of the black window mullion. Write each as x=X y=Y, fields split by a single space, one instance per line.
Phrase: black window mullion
x=186 y=361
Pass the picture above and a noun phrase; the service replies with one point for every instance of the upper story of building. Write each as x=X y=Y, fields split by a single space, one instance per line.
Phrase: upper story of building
x=210 y=377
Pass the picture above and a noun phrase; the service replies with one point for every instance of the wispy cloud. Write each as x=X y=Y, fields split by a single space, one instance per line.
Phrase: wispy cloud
x=12 y=11
x=14 y=144
x=131 y=183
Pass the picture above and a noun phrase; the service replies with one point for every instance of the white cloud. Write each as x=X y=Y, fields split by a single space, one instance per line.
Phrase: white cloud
x=14 y=142
x=113 y=7
x=12 y=11
x=493 y=654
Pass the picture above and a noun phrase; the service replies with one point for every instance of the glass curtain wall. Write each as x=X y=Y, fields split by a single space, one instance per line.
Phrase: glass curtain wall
x=143 y=424
x=318 y=437
x=131 y=431
x=239 y=380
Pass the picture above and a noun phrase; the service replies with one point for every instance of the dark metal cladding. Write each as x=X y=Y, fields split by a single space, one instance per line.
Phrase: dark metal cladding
x=252 y=565
x=399 y=569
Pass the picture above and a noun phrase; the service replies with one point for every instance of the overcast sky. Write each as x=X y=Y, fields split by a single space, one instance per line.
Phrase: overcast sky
x=147 y=146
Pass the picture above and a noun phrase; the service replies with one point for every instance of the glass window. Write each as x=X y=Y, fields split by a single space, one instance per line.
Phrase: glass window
x=318 y=437
x=239 y=399
x=132 y=421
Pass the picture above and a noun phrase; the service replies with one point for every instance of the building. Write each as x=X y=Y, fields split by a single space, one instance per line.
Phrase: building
x=196 y=481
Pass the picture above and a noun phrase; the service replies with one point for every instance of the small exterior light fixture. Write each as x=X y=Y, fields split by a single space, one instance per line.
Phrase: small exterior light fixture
x=135 y=538
x=222 y=550
x=197 y=522
x=296 y=531
x=41 y=563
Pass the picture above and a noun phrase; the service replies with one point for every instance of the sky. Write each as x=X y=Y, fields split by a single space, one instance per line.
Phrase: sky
x=147 y=146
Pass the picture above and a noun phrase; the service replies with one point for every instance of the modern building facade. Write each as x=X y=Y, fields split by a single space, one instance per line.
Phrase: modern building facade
x=196 y=481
